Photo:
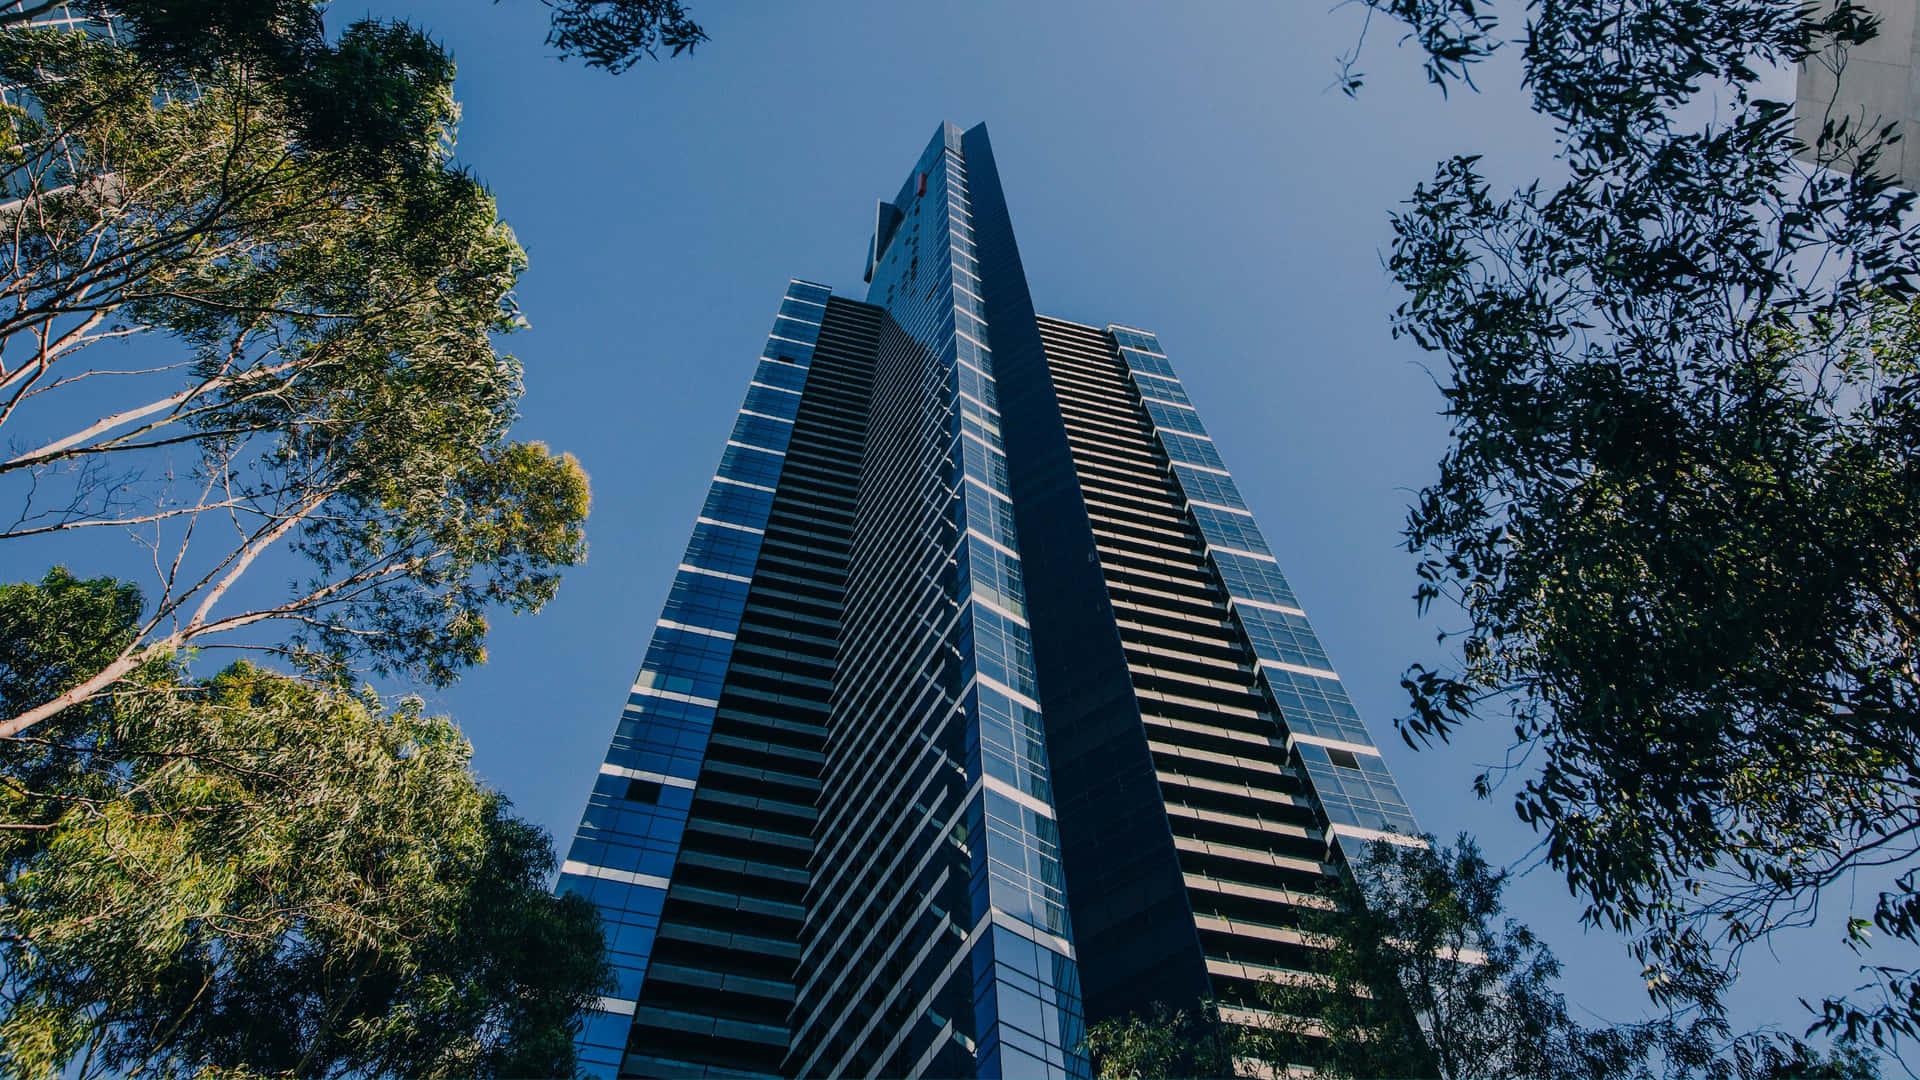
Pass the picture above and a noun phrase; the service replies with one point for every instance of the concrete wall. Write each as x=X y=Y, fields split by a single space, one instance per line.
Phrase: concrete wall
x=1875 y=83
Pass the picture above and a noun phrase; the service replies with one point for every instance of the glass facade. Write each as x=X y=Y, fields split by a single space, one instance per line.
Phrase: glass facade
x=941 y=708
x=631 y=834
x=1349 y=777
x=979 y=706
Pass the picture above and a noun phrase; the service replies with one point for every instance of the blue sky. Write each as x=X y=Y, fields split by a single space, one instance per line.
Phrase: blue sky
x=1184 y=168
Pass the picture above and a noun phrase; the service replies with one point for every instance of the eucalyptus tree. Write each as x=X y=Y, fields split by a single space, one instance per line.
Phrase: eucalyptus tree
x=312 y=293
x=1413 y=968
x=1680 y=509
x=287 y=34
x=248 y=315
x=1421 y=971
x=255 y=874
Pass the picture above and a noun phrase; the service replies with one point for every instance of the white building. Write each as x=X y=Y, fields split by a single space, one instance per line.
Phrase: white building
x=1871 y=85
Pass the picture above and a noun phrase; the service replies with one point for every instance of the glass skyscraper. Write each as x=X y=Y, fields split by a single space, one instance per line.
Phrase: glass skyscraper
x=979 y=707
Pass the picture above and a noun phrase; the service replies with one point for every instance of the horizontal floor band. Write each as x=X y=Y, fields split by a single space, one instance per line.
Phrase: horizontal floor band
x=608 y=768
x=608 y=873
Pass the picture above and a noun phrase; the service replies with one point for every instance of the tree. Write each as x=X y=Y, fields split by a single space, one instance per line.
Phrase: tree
x=1421 y=976
x=614 y=34
x=1418 y=981
x=286 y=35
x=1167 y=1042
x=329 y=388
x=1679 y=504
x=259 y=873
x=252 y=874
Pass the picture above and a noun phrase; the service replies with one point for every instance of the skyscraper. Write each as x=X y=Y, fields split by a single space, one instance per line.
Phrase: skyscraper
x=979 y=706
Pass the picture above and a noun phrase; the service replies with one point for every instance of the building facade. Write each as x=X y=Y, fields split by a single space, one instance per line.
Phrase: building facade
x=979 y=707
x=1857 y=90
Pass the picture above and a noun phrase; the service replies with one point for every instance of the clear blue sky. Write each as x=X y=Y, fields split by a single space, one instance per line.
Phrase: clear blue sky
x=1184 y=168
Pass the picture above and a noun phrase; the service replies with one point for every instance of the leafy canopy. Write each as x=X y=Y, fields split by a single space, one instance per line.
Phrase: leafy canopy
x=255 y=874
x=324 y=288
x=1416 y=972
x=286 y=35
x=1681 y=497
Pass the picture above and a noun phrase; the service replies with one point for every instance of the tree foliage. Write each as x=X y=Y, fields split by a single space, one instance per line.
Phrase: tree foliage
x=1680 y=503
x=56 y=634
x=1420 y=974
x=254 y=874
x=248 y=311
x=1166 y=1042
x=615 y=34
x=1418 y=979
x=287 y=35
x=327 y=386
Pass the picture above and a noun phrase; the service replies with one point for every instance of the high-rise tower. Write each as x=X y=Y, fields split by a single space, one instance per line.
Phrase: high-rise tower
x=979 y=706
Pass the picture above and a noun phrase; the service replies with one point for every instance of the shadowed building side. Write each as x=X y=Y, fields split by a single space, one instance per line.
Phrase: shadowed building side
x=721 y=982
x=1245 y=842
x=1132 y=927
x=937 y=939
